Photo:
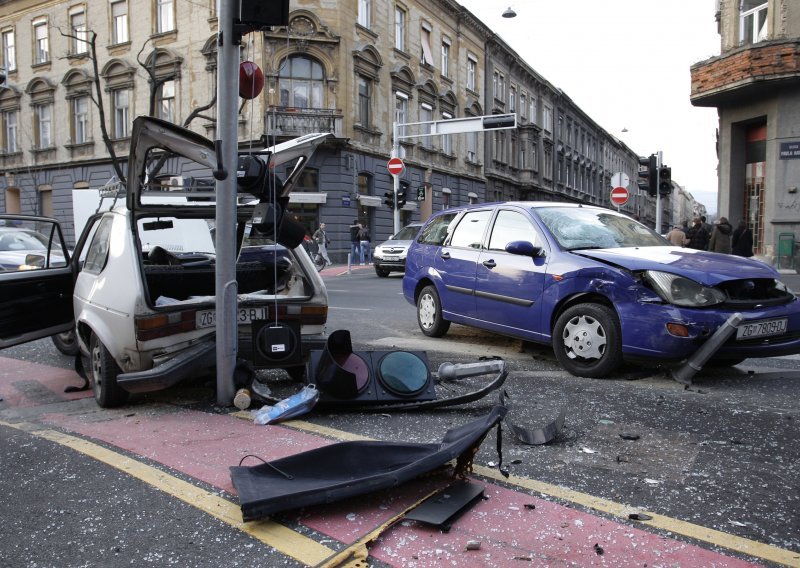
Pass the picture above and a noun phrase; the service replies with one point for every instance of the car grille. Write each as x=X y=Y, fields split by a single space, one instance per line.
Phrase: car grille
x=753 y=293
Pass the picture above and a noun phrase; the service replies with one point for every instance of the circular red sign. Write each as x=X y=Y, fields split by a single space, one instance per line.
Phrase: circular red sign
x=619 y=195
x=395 y=166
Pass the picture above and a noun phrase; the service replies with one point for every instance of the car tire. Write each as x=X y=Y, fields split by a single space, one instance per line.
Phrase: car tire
x=587 y=340
x=382 y=272
x=429 y=313
x=104 y=371
x=66 y=342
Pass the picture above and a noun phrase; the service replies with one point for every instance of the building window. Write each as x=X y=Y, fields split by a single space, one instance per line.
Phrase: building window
x=501 y=87
x=121 y=104
x=753 y=21
x=512 y=99
x=364 y=102
x=534 y=159
x=119 y=22
x=80 y=120
x=532 y=110
x=495 y=83
x=401 y=110
x=425 y=115
x=472 y=147
x=301 y=82
x=43 y=116
x=547 y=119
x=364 y=9
x=165 y=101
x=447 y=140
x=41 y=45
x=80 y=35
x=9 y=51
x=445 y=57
x=399 y=29
x=523 y=101
x=10 y=131
x=165 y=18
x=425 y=40
x=472 y=71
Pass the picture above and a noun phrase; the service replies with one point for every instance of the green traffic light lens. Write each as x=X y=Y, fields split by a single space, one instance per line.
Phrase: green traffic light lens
x=403 y=373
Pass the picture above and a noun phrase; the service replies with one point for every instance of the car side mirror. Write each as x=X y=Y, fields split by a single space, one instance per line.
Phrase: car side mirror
x=523 y=248
x=34 y=261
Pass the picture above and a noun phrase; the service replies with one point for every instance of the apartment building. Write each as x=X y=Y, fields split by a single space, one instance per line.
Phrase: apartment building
x=350 y=67
x=755 y=85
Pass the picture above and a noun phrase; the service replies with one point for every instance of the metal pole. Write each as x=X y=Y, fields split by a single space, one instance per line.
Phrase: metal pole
x=658 y=192
x=395 y=179
x=227 y=141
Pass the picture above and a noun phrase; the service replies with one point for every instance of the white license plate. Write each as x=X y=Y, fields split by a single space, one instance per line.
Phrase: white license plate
x=208 y=318
x=390 y=257
x=761 y=328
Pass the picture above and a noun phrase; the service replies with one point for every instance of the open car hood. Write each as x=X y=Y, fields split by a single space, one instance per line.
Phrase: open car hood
x=708 y=268
x=151 y=133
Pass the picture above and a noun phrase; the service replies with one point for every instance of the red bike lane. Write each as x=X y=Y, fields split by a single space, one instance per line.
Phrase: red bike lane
x=511 y=525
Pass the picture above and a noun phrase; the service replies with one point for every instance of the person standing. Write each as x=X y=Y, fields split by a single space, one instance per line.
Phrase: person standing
x=677 y=237
x=742 y=240
x=698 y=236
x=321 y=238
x=707 y=226
x=721 y=237
x=364 y=242
x=355 y=242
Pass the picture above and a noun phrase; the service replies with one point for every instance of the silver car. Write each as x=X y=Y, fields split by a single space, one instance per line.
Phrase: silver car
x=390 y=255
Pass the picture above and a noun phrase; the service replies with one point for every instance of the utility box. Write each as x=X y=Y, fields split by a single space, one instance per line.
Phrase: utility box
x=786 y=250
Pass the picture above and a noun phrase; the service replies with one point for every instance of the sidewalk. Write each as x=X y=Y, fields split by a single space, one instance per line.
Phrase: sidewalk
x=341 y=269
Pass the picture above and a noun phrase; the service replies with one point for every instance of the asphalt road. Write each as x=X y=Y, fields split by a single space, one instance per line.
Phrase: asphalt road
x=722 y=454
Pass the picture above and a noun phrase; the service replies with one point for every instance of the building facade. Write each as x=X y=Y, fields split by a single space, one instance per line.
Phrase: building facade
x=350 y=67
x=755 y=85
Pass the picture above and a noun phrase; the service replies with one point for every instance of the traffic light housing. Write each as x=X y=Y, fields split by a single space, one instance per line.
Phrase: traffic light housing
x=665 y=180
x=388 y=199
x=652 y=175
x=402 y=193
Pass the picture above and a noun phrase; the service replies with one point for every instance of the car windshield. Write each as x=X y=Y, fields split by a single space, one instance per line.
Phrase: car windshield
x=406 y=233
x=584 y=228
x=22 y=240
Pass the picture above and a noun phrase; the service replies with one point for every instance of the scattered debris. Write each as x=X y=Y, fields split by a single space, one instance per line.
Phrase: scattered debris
x=534 y=436
x=640 y=517
x=622 y=459
x=629 y=436
x=242 y=399
x=737 y=523
x=603 y=421
x=473 y=545
x=651 y=481
x=586 y=450
x=524 y=558
x=598 y=549
x=296 y=405
x=684 y=373
x=530 y=506
x=443 y=508
x=516 y=462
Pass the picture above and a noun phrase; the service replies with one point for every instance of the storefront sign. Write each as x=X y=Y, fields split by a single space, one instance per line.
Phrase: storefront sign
x=790 y=151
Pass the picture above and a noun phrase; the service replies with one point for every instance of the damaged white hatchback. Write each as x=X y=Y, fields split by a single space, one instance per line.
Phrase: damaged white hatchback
x=142 y=280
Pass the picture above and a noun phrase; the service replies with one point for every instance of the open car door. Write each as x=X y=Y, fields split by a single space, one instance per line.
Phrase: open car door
x=36 y=280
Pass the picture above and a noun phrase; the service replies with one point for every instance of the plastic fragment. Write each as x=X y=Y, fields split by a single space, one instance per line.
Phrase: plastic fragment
x=652 y=481
x=629 y=436
x=296 y=405
x=473 y=545
x=530 y=506
x=639 y=517
x=598 y=549
x=586 y=450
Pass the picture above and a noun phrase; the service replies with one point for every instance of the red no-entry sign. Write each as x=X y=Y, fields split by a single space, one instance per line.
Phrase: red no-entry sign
x=619 y=196
x=395 y=166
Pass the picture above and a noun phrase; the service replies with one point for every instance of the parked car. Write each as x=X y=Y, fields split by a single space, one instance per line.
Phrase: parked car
x=599 y=287
x=24 y=247
x=140 y=288
x=390 y=255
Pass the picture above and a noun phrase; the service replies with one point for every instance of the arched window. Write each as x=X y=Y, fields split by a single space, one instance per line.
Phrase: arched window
x=301 y=80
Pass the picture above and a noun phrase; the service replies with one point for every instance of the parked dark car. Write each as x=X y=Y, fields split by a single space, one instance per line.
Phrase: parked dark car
x=390 y=255
x=598 y=286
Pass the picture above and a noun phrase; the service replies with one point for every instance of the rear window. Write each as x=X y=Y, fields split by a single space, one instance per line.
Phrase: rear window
x=436 y=231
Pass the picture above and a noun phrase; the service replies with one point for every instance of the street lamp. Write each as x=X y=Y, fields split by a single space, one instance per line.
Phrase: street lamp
x=509 y=13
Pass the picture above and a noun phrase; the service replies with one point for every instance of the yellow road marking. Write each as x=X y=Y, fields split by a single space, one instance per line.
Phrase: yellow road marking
x=275 y=535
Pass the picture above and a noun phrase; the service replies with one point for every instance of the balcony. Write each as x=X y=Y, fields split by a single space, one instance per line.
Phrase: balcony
x=750 y=70
x=294 y=121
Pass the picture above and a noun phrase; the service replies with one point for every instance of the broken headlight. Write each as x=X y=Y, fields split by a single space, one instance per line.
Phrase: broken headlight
x=682 y=291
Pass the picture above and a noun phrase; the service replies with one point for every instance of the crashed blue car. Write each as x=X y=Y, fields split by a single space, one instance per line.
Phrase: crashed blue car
x=596 y=285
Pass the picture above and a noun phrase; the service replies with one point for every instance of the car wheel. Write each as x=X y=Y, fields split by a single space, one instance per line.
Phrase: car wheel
x=429 y=313
x=66 y=342
x=104 y=371
x=587 y=342
x=382 y=272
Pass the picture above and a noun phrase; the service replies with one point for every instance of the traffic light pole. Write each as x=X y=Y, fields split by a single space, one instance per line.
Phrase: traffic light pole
x=658 y=192
x=395 y=178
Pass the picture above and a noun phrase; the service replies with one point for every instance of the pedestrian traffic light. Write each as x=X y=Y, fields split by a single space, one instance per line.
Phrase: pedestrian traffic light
x=652 y=173
x=402 y=193
x=421 y=193
x=665 y=180
x=388 y=199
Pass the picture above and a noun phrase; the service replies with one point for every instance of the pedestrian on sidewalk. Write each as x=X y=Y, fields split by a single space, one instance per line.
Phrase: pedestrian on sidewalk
x=355 y=242
x=698 y=236
x=677 y=237
x=364 y=242
x=321 y=238
x=742 y=240
x=721 y=237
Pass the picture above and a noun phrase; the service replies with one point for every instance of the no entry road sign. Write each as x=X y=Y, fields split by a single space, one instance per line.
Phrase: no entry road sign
x=395 y=166
x=619 y=196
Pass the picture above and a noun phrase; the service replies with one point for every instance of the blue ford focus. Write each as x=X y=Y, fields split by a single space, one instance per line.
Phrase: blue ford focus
x=598 y=286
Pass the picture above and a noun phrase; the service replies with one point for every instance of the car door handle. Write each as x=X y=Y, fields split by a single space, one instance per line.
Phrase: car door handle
x=489 y=263
x=445 y=255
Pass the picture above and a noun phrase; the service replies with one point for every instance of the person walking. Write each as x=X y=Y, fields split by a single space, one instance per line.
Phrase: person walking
x=364 y=242
x=707 y=226
x=698 y=236
x=742 y=240
x=677 y=237
x=721 y=237
x=321 y=238
x=355 y=242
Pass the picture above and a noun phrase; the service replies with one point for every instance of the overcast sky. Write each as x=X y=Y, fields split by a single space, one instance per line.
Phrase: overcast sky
x=626 y=64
